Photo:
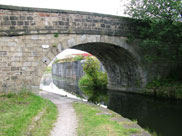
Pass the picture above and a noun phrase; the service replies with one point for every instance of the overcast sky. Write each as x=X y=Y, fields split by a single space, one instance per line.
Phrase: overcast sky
x=113 y=7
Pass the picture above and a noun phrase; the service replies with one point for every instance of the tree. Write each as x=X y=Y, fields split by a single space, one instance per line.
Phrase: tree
x=93 y=77
x=94 y=82
x=164 y=26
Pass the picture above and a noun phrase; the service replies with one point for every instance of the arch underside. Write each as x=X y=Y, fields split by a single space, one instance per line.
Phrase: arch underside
x=120 y=64
x=27 y=60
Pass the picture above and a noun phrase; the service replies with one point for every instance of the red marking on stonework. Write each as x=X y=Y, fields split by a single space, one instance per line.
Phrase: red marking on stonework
x=44 y=14
x=1 y=14
x=83 y=54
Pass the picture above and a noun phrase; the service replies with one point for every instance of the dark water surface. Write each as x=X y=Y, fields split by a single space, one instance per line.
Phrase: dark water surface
x=158 y=115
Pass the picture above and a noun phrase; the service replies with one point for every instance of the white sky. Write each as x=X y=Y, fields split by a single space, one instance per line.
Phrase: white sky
x=112 y=7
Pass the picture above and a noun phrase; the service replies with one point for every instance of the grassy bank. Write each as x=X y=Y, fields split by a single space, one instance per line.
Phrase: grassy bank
x=96 y=122
x=26 y=114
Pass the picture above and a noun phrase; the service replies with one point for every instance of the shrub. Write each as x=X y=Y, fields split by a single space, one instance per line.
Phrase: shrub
x=93 y=78
x=79 y=57
x=86 y=81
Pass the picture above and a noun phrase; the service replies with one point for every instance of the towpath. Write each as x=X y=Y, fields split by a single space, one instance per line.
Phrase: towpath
x=66 y=123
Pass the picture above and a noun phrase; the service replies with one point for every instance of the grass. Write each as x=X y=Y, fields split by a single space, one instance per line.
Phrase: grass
x=17 y=112
x=91 y=123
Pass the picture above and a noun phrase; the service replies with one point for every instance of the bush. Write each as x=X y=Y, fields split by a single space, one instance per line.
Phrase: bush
x=93 y=78
x=86 y=81
x=79 y=57
x=102 y=80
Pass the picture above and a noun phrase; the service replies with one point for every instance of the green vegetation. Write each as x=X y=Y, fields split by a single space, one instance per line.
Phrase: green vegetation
x=79 y=57
x=92 y=122
x=17 y=112
x=162 y=41
x=93 y=78
x=94 y=83
x=161 y=29
x=153 y=133
x=54 y=45
x=56 y=35
x=48 y=70
x=166 y=88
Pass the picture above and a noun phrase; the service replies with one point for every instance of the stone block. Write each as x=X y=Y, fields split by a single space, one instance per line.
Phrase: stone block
x=29 y=18
x=22 y=17
x=12 y=44
x=13 y=23
x=28 y=69
x=14 y=77
x=3 y=64
x=16 y=54
x=71 y=42
x=15 y=68
x=34 y=64
x=14 y=18
x=50 y=55
x=4 y=69
x=20 y=23
x=55 y=50
x=16 y=64
x=83 y=39
x=26 y=64
x=3 y=53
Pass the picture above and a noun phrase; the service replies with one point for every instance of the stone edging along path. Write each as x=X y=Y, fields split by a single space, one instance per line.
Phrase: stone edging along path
x=67 y=122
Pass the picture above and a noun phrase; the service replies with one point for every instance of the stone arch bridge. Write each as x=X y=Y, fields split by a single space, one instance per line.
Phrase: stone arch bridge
x=23 y=31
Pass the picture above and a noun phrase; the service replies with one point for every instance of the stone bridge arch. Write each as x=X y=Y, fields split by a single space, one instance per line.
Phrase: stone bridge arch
x=24 y=31
x=120 y=59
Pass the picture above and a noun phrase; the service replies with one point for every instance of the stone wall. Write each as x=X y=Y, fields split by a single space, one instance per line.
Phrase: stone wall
x=66 y=75
x=68 y=70
x=23 y=21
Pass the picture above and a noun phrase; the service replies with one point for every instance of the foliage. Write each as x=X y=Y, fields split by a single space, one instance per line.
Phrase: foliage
x=70 y=59
x=54 y=45
x=93 y=78
x=56 y=35
x=162 y=30
x=48 y=70
x=86 y=81
x=18 y=110
x=93 y=123
x=79 y=57
x=91 y=67
x=94 y=82
x=56 y=61
x=168 y=88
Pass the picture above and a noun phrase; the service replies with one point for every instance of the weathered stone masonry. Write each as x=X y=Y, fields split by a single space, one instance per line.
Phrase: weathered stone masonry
x=23 y=31
x=21 y=21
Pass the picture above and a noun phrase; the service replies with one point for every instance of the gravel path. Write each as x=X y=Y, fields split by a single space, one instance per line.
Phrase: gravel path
x=66 y=123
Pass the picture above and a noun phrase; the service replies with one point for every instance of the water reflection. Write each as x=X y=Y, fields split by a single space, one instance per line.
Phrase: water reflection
x=95 y=96
x=159 y=115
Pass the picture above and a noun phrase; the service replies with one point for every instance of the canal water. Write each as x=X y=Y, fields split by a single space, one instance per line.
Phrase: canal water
x=157 y=115
x=161 y=116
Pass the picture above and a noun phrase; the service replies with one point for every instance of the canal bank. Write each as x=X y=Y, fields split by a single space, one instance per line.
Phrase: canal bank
x=105 y=121
x=162 y=116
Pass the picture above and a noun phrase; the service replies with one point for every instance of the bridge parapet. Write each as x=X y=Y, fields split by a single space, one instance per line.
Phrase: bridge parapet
x=25 y=21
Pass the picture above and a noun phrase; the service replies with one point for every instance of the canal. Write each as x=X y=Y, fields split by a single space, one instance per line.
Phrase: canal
x=157 y=115
x=161 y=116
